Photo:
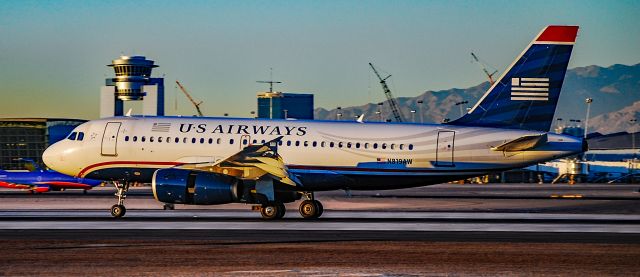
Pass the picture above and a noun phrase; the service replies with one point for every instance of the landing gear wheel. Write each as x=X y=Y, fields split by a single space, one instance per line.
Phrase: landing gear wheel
x=311 y=209
x=118 y=210
x=320 y=208
x=168 y=206
x=274 y=211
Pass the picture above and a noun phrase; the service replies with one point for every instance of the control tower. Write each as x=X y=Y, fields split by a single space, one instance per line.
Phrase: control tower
x=133 y=82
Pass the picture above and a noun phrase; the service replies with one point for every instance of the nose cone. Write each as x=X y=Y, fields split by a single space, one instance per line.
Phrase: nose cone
x=52 y=157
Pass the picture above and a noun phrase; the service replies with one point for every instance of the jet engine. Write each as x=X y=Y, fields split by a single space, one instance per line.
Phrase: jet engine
x=182 y=186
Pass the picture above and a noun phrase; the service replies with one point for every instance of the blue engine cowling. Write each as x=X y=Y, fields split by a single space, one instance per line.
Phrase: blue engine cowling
x=181 y=186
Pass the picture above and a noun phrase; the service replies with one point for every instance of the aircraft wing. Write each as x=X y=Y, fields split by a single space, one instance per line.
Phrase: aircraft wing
x=522 y=143
x=252 y=163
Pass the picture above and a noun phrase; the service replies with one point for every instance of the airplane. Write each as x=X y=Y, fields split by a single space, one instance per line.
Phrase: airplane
x=269 y=162
x=41 y=180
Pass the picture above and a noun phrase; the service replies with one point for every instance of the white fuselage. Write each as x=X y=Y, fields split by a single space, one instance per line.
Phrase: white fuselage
x=130 y=148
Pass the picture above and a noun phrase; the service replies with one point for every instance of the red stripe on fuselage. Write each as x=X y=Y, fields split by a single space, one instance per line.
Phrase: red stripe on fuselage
x=86 y=169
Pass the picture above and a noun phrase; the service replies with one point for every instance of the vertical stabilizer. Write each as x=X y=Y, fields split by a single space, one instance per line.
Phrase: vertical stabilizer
x=526 y=95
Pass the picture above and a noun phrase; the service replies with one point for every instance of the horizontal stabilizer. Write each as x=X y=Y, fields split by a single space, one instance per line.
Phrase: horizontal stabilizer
x=522 y=143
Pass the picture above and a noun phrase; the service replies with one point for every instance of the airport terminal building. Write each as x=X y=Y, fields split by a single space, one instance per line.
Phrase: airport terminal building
x=27 y=138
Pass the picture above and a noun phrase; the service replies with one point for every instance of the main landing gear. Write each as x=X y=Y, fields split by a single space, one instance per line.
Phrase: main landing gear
x=118 y=210
x=309 y=208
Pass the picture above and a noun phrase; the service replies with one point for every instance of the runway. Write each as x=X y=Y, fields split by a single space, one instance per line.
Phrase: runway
x=462 y=229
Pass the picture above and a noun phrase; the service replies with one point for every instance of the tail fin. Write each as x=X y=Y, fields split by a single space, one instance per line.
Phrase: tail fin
x=526 y=95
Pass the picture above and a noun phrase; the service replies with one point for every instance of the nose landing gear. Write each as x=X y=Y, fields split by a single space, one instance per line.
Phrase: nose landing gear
x=118 y=210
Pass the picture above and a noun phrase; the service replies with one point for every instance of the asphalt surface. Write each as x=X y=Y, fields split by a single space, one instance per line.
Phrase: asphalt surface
x=498 y=229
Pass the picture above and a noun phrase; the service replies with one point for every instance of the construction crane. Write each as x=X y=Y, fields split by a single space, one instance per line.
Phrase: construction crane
x=484 y=68
x=195 y=104
x=387 y=93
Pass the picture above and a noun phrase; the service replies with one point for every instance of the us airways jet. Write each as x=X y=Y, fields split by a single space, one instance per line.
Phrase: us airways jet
x=208 y=161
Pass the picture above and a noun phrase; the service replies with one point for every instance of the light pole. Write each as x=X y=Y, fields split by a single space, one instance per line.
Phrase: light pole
x=339 y=113
x=286 y=114
x=633 y=139
x=413 y=116
x=420 y=109
x=380 y=114
x=459 y=104
x=586 y=119
x=380 y=111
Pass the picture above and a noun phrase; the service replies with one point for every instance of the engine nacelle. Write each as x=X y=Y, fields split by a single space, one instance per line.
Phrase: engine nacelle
x=181 y=186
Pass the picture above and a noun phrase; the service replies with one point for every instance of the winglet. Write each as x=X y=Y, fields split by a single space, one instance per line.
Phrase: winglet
x=360 y=118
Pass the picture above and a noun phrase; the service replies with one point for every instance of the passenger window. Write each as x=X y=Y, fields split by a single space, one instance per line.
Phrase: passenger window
x=255 y=141
x=280 y=142
x=244 y=142
x=297 y=143
x=126 y=138
x=340 y=144
x=218 y=141
x=142 y=139
x=384 y=146
x=322 y=144
x=201 y=140
x=306 y=143
x=331 y=144
x=392 y=146
x=375 y=146
x=401 y=146
x=410 y=146
x=231 y=141
x=80 y=136
x=348 y=144
x=184 y=140
x=168 y=139
x=193 y=140
x=177 y=140
x=151 y=139
x=72 y=136
x=135 y=138
x=357 y=145
x=288 y=143
x=263 y=141
x=315 y=143
x=210 y=141
x=159 y=139
x=366 y=145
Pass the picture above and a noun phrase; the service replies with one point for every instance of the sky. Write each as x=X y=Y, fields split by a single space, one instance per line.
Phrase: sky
x=53 y=54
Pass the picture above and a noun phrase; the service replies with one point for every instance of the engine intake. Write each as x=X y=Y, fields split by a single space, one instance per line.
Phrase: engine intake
x=181 y=186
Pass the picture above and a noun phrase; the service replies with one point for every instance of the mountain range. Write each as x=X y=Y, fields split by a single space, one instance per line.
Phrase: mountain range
x=615 y=91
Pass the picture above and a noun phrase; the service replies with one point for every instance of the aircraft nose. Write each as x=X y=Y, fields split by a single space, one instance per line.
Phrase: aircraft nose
x=52 y=157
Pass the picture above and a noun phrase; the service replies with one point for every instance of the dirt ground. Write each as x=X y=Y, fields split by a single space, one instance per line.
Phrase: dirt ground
x=43 y=257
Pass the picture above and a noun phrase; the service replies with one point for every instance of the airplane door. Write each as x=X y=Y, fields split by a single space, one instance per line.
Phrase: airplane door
x=444 y=148
x=245 y=140
x=110 y=139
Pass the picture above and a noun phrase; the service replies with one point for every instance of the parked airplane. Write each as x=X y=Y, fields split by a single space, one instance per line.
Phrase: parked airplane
x=205 y=161
x=41 y=180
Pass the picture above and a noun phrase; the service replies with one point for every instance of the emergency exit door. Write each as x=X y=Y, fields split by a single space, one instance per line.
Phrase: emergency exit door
x=445 y=148
x=110 y=139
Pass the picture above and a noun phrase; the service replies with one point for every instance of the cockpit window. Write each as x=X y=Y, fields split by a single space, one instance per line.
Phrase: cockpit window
x=72 y=136
x=80 y=136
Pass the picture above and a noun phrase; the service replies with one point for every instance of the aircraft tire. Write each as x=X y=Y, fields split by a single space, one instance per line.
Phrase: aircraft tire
x=274 y=211
x=320 y=208
x=118 y=210
x=309 y=209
